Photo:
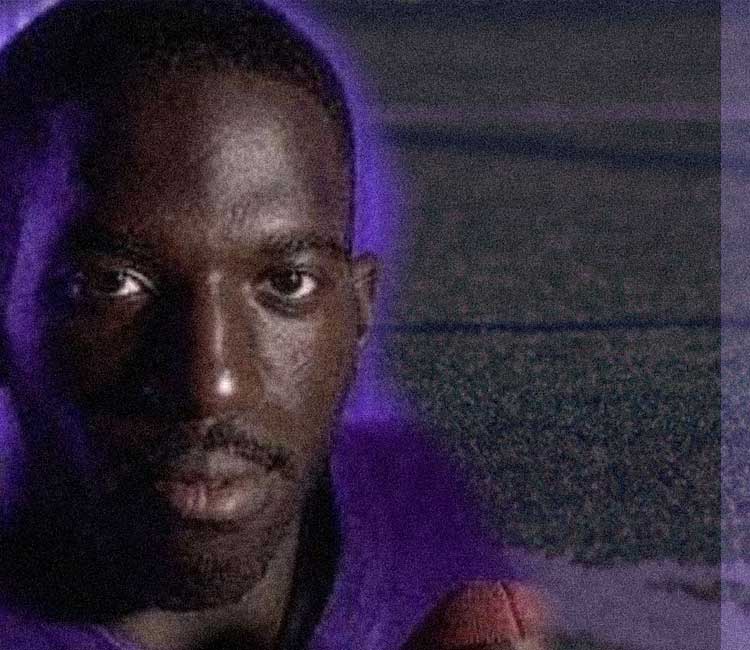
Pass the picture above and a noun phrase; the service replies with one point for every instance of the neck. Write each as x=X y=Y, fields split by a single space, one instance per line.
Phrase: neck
x=255 y=621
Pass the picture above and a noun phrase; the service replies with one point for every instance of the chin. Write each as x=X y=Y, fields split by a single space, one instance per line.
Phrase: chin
x=209 y=581
x=194 y=566
x=202 y=569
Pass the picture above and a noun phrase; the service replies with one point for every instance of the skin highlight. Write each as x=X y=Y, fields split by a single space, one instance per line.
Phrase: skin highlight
x=207 y=328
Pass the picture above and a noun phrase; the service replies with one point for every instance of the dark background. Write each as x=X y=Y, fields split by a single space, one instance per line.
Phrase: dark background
x=558 y=315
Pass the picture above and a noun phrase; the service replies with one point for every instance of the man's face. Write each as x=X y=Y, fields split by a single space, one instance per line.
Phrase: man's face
x=208 y=320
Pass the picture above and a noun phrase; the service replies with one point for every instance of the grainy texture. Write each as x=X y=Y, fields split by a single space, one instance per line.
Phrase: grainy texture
x=563 y=176
x=562 y=173
x=564 y=189
x=602 y=444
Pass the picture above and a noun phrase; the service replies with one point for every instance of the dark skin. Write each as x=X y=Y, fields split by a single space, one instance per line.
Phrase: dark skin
x=211 y=325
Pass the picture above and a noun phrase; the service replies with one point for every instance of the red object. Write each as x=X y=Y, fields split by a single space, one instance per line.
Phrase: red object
x=484 y=615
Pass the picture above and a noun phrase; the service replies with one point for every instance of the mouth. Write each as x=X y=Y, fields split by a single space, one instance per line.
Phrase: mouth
x=217 y=487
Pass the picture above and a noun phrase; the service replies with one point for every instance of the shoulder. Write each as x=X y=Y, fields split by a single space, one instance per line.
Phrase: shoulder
x=22 y=633
x=401 y=497
x=415 y=553
x=484 y=616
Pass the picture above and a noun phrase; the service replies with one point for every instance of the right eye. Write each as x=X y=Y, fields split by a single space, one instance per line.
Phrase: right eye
x=113 y=284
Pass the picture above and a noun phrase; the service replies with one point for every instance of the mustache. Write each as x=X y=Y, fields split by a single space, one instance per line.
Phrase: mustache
x=168 y=451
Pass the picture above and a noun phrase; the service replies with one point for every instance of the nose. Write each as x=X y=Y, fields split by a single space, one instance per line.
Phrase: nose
x=220 y=374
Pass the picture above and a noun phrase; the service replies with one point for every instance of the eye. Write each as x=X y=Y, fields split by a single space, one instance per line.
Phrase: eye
x=111 y=284
x=293 y=284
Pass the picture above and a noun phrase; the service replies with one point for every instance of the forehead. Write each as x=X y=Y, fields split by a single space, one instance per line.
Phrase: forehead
x=221 y=158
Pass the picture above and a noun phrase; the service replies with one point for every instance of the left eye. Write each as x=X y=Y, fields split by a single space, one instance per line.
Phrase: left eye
x=293 y=285
x=120 y=283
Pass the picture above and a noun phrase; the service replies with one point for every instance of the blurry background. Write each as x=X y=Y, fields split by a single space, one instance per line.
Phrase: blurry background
x=557 y=314
x=559 y=308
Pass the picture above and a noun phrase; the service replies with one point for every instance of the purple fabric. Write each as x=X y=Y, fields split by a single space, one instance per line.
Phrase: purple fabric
x=408 y=538
x=16 y=633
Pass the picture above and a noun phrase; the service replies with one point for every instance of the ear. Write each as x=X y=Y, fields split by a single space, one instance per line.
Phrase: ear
x=365 y=275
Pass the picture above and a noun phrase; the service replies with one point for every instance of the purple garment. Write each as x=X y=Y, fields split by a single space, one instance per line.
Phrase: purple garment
x=19 y=634
x=407 y=539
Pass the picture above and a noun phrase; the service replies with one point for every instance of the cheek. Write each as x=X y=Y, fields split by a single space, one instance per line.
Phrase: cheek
x=307 y=365
x=92 y=351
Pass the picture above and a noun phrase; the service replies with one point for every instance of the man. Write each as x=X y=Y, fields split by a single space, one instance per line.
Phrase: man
x=183 y=314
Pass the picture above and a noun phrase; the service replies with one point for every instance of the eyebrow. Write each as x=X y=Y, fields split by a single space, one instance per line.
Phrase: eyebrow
x=290 y=245
x=283 y=245
x=121 y=244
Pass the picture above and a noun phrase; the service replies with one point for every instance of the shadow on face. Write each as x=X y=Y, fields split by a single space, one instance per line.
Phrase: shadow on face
x=206 y=323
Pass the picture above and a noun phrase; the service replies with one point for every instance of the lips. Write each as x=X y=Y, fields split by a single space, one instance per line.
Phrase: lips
x=216 y=487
